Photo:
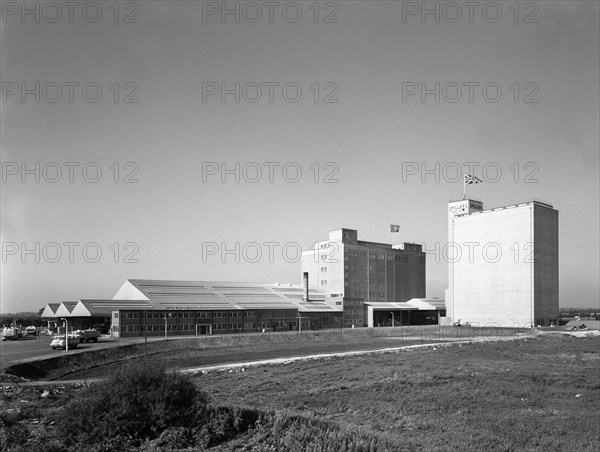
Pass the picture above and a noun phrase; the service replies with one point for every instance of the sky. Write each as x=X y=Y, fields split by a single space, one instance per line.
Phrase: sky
x=214 y=140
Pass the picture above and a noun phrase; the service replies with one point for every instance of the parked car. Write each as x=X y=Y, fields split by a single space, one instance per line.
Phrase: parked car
x=59 y=341
x=11 y=332
x=31 y=330
x=87 y=335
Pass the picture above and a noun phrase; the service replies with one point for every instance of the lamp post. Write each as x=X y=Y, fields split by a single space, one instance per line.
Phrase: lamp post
x=392 y=319
x=66 y=334
x=165 y=325
x=145 y=334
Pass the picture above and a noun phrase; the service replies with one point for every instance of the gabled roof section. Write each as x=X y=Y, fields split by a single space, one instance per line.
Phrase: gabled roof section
x=141 y=294
x=129 y=291
x=65 y=308
x=215 y=295
x=50 y=310
x=103 y=308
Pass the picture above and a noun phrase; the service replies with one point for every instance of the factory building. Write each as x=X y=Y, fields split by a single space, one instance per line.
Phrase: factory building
x=502 y=264
x=163 y=308
x=353 y=272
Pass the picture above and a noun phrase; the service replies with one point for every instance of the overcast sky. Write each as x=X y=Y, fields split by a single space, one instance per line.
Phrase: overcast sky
x=343 y=91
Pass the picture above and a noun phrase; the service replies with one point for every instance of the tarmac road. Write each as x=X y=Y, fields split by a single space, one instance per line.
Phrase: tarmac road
x=38 y=347
x=35 y=347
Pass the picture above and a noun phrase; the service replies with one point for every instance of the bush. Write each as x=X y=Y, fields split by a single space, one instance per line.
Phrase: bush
x=136 y=403
x=221 y=424
x=11 y=433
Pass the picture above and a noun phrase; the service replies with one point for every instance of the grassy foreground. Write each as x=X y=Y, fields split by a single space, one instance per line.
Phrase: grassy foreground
x=539 y=394
x=535 y=394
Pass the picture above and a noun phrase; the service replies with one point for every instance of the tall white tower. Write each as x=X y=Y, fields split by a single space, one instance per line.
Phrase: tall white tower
x=502 y=264
x=455 y=209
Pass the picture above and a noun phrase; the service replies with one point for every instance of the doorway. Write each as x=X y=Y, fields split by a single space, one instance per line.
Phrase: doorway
x=203 y=330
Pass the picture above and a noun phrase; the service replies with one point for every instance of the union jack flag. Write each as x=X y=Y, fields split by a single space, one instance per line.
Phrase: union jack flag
x=469 y=180
x=394 y=228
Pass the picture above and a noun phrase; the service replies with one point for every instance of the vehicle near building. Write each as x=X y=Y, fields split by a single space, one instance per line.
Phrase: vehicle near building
x=12 y=333
x=87 y=335
x=59 y=341
x=31 y=330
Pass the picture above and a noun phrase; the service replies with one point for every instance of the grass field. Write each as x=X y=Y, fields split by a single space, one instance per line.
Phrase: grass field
x=214 y=350
x=541 y=394
x=538 y=393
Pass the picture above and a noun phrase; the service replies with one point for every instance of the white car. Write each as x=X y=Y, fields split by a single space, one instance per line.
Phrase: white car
x=31 y=330
x=59 y=342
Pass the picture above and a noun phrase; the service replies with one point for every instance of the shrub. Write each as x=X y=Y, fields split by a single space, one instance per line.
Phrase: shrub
x=136 y=403
x=220 y=424
x=11 y=433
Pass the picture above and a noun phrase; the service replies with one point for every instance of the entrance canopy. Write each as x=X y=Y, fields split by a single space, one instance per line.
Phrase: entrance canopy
x=399 y=312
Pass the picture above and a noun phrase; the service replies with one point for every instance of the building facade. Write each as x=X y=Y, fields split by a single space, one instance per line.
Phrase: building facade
x=179 y=308
x=353 y=272
x=502 y=264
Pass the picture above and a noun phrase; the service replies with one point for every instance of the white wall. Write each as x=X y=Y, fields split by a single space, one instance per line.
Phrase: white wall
x=493 y=277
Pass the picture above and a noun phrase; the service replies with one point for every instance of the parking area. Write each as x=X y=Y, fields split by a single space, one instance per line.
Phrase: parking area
x=35 y=347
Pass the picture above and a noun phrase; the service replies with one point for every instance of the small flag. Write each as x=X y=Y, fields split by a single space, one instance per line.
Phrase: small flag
x=469 y=180
x=394 y=228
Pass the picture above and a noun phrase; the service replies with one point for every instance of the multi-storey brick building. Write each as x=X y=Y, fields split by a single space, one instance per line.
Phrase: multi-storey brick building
x=353 y=272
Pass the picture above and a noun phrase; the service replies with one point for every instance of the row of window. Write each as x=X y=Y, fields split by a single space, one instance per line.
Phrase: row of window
x=379 y=256
x=353 y=303
x=151 y=328
x=358 y=293
x=184 y=315
x=364 y=280
x=225 y=326
x=255 y=325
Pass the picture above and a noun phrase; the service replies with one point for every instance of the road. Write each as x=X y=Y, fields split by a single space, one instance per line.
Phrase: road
x=35 y=347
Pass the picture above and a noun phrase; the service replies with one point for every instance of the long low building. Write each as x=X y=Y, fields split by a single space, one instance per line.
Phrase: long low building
x=158 y=307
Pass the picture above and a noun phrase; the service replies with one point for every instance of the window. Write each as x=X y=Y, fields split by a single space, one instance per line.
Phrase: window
x=323 y=282
x=323 y=269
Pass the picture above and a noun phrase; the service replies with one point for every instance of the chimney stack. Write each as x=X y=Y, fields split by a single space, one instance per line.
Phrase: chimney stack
x=305 y=285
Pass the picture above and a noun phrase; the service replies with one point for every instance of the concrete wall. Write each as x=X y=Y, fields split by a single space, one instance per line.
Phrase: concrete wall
x=494 y=277
x=546 y=269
